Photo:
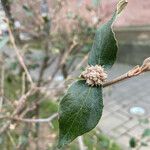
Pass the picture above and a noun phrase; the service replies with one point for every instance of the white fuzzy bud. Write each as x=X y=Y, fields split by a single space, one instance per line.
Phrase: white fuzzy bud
x=146 y=64
x=94 y=75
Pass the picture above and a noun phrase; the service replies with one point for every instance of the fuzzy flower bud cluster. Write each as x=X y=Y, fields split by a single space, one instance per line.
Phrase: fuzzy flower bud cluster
x=94 y=75
x=146 y=64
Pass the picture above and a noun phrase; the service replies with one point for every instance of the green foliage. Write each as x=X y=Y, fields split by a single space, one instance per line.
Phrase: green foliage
x=81 y=107
x=132 y=142
x=146 y=133
x=104 y=48
x=80 y=111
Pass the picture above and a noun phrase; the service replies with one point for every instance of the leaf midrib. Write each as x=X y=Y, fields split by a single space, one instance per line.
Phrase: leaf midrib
x=78 y=112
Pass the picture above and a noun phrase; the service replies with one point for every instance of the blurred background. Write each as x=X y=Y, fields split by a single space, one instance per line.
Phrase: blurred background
x=54 y=38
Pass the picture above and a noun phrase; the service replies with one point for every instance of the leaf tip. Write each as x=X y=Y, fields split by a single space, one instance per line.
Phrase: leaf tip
x=59 y=145
x=62 y=142
x=121 y=5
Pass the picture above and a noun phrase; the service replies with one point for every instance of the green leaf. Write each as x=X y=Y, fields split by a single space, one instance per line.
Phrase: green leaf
x=146 y=133
x=105 y=48
x=133 y=142
x=80 y=111
x=3 y=41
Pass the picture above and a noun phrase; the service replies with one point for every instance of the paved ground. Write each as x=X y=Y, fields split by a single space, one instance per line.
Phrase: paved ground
x=117 y=121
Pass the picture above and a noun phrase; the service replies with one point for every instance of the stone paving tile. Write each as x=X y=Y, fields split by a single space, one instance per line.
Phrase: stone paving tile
x=106 y=113
x=121 y=130
x=120 y=116
x=131 y=123
x=108 y=103
x=124 y=141
x=109 y=123
x=125 y=111
x=117 y=121
x=136 y=131
x=113 y=107
x=114 y=134
x=117 y=132
x=145 y=148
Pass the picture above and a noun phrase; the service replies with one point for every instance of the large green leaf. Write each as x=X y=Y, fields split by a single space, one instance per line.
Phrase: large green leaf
x=146 y=132
x=80 y=111
x=105 y=48
x=3 y=41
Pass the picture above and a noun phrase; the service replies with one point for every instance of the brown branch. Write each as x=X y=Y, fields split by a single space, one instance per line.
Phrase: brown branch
x=27 y=120
x=61 y=62
x=22 y=100
x=20 y=58
x=132 y=73
x=116 y=80
x=21 y=104
x=44 y=63
x=44 y=120
x=65 y=56
x=81 y=63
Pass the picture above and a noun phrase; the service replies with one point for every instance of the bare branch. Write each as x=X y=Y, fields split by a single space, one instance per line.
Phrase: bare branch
x=22 y=100
x=20 y=58
x=132 y=73
x=66 y=54
x=27 y=120
x=21 y=104
x=43 y=120
x=61 y=62
x=23 y=83
x=82 y=62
